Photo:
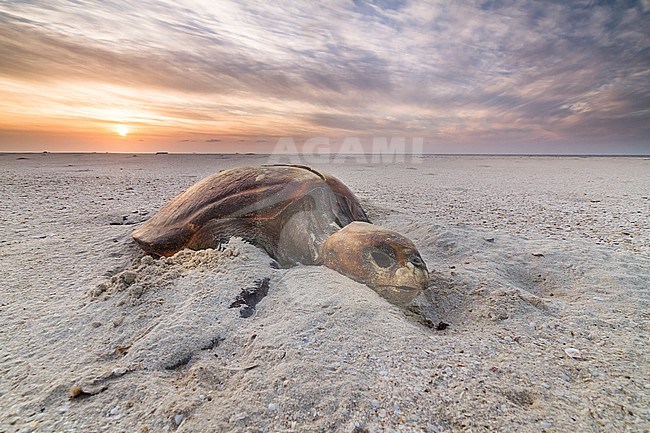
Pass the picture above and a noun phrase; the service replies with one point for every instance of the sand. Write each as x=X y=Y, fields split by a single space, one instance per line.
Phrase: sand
x=540 y=268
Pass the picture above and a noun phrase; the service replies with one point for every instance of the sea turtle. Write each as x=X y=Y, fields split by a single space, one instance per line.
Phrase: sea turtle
x=298 y=216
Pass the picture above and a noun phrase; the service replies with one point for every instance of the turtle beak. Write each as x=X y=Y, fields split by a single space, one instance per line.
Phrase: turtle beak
x=398 y=295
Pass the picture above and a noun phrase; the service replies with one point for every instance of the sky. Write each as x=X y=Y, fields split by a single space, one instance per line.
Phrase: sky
x=488 y=76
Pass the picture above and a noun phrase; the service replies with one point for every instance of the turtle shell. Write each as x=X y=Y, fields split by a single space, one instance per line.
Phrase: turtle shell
x=287 y=210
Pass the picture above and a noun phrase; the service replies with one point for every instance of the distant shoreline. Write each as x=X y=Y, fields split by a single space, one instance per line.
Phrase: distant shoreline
x=165 y=153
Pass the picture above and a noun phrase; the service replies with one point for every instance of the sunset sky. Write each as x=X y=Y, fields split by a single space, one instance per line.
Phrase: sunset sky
x=211 y=76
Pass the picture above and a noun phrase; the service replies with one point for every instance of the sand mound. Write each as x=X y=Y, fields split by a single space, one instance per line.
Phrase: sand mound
x=163 y=311
x=148 y=273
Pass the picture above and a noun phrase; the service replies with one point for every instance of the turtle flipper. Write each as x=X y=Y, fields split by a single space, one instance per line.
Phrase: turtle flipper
x=347 y=208
x=217 y=232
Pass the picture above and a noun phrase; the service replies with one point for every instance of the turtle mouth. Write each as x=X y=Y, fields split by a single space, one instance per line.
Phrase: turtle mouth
x=398 y=295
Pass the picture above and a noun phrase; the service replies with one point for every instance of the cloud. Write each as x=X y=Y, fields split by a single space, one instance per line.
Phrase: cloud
x=447 y=70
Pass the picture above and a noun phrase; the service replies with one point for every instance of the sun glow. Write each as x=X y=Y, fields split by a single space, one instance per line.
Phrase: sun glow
x=122 y=130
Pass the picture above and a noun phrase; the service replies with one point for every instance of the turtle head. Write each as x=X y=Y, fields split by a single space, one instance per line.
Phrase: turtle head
x=382 y=259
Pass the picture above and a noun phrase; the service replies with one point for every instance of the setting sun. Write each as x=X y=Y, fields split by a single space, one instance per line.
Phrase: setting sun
x=122 y=130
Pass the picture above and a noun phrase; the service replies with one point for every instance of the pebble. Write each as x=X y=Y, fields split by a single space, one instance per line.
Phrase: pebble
x=76 y=391
x=201 y=397
x=120 y=371
x=382 y=413
x=272 y=407
x=375 y=403
x=43 y=236
x=545 y=425
x=178 y=419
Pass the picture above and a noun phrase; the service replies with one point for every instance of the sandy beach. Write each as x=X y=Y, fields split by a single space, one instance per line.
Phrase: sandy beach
x=537 y=317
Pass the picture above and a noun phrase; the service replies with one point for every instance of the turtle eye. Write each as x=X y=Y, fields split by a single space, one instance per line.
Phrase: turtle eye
x=382 y=259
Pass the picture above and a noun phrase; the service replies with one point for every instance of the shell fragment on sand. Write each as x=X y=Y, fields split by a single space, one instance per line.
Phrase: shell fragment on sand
x=572 y=352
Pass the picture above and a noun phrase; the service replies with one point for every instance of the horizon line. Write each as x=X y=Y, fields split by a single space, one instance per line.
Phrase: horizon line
x=333 y=155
